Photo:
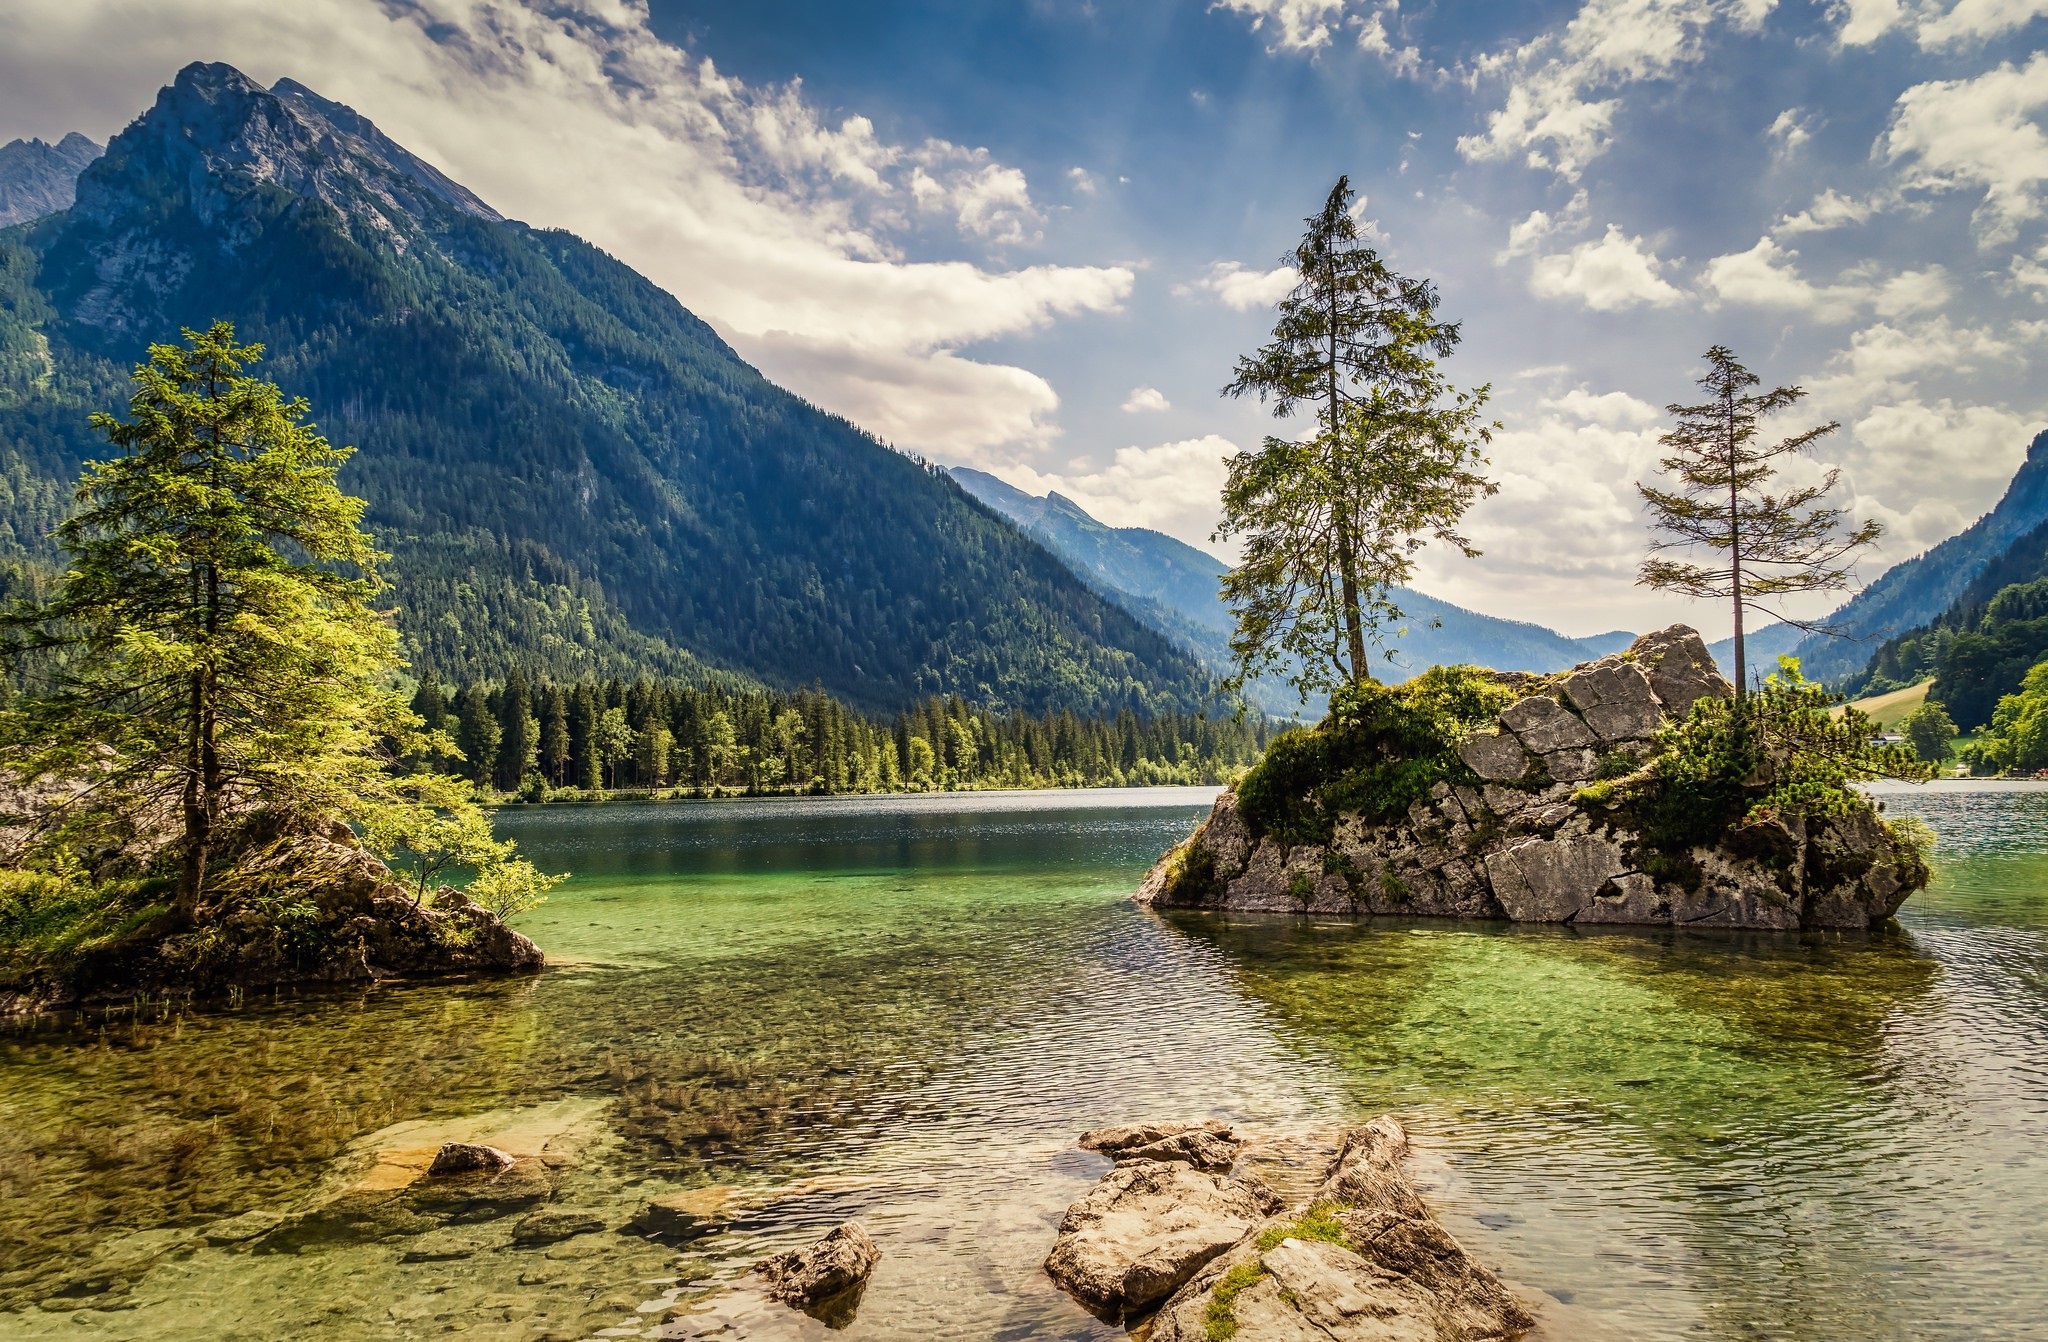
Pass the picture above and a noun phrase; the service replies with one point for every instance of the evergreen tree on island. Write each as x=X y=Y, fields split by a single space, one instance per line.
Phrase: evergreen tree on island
x=1332 y=523
x=1764 y=546
x=213 y=648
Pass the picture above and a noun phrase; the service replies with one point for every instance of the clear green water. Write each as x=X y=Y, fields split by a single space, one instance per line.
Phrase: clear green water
x=904 y=1009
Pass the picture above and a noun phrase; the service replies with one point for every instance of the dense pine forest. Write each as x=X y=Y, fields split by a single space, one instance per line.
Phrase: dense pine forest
x=586 y=738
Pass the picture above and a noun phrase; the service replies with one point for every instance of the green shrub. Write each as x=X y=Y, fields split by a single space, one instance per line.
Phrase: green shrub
x=1379 y=752
x=1782 y=750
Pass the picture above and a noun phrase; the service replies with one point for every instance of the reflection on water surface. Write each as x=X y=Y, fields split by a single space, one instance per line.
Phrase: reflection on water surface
x=903 y=1009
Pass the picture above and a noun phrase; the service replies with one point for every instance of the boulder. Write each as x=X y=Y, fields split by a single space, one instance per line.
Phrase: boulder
x=468 y=1158
x=1680 y=669
x=822 y=1275
x=1371 y=1264
x=1495 y=756
x=1615 y=699
x=1543 y=725
x=1550 y=880
x=1207 y=1145
x=1147 y=1227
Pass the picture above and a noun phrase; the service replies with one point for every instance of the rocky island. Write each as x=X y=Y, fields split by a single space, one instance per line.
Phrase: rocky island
x=1596 y=795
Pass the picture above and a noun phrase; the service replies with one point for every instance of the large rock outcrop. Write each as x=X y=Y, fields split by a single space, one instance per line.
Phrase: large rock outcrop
x=1360 y=1260
x=1513 y=836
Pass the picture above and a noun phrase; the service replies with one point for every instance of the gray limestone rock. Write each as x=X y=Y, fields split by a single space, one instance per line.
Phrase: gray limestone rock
x=1495 y=756
x=1550 y=880
x=1544 y=725
x=1577 y=765
x=1615 y=698
x=1122 y=1140
x=1680 y=669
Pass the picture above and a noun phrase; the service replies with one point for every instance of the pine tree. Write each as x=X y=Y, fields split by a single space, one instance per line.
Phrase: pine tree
x=519 y=733
x=1765 y=546
x=223 y=652
x=1331 y=523
x=554 y=734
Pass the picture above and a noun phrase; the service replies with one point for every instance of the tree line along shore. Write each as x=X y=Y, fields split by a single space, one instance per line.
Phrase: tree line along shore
x=536 y=740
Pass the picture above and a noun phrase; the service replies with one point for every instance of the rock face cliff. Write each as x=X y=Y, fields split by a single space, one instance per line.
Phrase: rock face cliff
x=1514 y=832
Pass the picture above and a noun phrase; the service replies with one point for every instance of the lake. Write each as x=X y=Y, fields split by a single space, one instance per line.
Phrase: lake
x=905 y=1009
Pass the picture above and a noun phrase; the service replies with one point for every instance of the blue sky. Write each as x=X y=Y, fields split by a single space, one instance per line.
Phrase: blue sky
x=1033 y=236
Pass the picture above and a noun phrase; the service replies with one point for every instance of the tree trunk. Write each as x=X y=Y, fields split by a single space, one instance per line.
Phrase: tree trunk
x=198 y=830
x=1347 y=554
x=1735 y=545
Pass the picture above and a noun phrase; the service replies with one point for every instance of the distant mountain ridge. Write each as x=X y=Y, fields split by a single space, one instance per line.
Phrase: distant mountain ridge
x=1914 y=592
x=1173 y=586
x=38 y=178
x=575 y=474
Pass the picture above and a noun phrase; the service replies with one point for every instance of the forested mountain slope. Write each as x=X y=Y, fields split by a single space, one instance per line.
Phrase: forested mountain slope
x=1173 y=586
x=574 y=473
x=1915 y=592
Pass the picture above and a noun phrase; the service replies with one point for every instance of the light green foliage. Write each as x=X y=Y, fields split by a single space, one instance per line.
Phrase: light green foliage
x=1930 y=731
x=212 y=650
x=1378 y=752
x=1760 y=547
x=1329 y=524
x=1778 y=751
x=1218 y=1323
x=1318 y=1222
x=2017 y=739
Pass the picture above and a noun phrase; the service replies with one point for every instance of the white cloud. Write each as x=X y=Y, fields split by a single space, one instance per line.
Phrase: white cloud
x=1976 y=20
x=1977 y=134
x=1614 y=274
x=1886 y=361
x=1374 y=37
x=1240 y=289
x=1792 y=129
x=1172 y=487
x=1559 y=108
x=2032 y=274
x=1927 y=469
x=1767 y=276
x=1295 y=25
x=1083 y=181
x=786 y=231
x=1830 y=209
x=1612 y=409
x=1864 y=21
x=1143 y=399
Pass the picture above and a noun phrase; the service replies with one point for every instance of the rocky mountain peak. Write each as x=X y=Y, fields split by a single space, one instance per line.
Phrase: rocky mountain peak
x=39 y=178
x=215 y=138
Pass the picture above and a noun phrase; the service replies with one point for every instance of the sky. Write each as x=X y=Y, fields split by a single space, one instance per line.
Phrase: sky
x=1034 y=236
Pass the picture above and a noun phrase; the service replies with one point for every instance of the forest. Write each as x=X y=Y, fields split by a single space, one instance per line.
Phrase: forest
x=540 y=740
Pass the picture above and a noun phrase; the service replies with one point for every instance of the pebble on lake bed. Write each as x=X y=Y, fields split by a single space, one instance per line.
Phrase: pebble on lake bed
x=468 y=1158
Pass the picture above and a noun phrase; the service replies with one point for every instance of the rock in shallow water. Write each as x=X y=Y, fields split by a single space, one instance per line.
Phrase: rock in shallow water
x=822 y=1275
x=1361 y=1261
x=467 y=1158
x=1148 y=1227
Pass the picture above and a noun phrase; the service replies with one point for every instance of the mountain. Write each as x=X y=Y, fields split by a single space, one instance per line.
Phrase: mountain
x=1913 y=593
x=1173 y=587
x=38 y=179
x=574 y=473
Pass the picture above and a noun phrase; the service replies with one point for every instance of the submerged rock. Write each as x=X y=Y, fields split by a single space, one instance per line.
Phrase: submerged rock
x=467 y=1158
x=1146 y=1228
x=1206 y=1146
x=1517 y=838
x=824 y=1278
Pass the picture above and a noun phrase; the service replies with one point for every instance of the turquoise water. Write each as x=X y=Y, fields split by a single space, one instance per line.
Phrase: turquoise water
x=904 y=1009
